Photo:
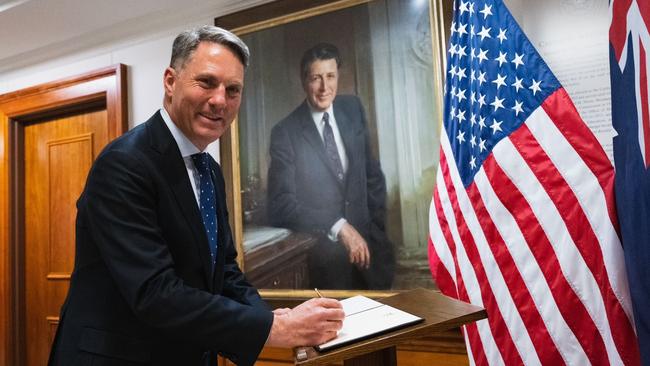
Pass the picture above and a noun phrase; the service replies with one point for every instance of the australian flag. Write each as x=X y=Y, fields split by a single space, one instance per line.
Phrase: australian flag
x=628 y=54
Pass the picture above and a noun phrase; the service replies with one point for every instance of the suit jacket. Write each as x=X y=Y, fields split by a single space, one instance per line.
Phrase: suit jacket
x=143 y=290
x=304 y=194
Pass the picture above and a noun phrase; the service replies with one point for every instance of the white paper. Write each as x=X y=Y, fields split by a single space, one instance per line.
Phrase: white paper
x=366 y=317
x=355 y=304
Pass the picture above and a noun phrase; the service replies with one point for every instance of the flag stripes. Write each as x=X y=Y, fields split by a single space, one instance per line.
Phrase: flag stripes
x=554 y=321
x=522 y=220
x=575 y=136
x=577 y=260
x=467 y=279
x=532 y=293
x=488 y=294
x=516 y=285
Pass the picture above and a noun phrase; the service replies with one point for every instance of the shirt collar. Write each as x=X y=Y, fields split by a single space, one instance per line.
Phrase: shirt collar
x=186 y=147
x=317 y=116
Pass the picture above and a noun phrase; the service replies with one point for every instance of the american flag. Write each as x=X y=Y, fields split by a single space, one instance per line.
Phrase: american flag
x=629 y=43
x=522 y=220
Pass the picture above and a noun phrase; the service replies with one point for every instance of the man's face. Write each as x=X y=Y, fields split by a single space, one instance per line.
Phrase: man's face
x=321 y=83
x=204 y=95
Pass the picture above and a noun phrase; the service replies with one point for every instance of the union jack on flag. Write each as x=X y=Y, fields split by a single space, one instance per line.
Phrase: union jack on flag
x=522 y=220
x=629 y=19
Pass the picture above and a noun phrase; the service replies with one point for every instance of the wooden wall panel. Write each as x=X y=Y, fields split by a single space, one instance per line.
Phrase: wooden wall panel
x=105 y=88
x=70 y=155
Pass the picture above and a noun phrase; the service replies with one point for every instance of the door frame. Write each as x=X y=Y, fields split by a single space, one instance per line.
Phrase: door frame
x=106 y=86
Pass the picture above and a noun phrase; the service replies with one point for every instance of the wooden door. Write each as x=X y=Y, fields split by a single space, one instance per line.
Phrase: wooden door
x=49 y=136
x=58 y=153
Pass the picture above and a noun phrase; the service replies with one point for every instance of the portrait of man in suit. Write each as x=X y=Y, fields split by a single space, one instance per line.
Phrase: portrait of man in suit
x=323 y=179
x=156 y=281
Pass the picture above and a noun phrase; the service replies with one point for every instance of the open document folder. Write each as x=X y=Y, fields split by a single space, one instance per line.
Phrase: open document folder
x=366 y=317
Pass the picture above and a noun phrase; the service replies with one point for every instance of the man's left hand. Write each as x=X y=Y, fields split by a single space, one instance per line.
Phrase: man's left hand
x=356 y=246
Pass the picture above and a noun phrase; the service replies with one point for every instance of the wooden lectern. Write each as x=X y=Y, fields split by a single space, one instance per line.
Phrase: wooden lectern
x=439 y=312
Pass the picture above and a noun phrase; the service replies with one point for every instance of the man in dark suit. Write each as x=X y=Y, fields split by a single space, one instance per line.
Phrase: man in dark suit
x=156 y=280
x=324 y=180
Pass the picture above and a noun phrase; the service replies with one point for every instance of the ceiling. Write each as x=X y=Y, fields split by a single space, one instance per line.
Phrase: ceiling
x=35 y=30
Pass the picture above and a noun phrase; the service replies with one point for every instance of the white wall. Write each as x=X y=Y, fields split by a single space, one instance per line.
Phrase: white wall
x=146 y=51
x=572 y=37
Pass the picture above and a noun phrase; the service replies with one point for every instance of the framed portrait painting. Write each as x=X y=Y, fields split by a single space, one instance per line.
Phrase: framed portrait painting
x=332 y=160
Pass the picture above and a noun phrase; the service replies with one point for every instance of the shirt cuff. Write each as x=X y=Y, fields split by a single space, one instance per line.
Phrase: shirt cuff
x=333 y=235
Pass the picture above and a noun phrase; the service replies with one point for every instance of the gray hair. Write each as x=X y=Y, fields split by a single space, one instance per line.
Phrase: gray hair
x=186 y=43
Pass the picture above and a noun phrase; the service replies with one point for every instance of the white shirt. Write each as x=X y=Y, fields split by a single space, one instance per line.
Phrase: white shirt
x=187 y=149
x=317 y=116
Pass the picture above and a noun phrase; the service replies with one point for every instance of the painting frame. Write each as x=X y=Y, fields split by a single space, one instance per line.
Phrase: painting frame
x=277 y=14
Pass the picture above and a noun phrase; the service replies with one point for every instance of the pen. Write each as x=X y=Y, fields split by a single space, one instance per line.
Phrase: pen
x=318 y=292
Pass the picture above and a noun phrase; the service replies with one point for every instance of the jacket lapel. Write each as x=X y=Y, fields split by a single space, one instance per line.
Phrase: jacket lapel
x=348 y=134
x=173 y=169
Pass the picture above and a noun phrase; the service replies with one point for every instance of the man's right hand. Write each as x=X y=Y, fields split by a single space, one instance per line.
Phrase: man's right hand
x=356 y=246
x=311 y=323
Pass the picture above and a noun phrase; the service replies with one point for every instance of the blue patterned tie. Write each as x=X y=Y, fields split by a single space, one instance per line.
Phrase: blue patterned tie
x=207 y=202
x=330 y=148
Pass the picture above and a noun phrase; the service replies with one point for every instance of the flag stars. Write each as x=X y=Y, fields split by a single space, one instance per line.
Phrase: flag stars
x=482 y=55
x=487 y=10
x=460 y=51
x=481 y=78
x=496 y=126
x=462 y=29
x=460 y=95
x=481 y=123
x=500 y=81
x=472 y=119
x=463 y=7
x=471 y=9
x=481 y=144
x=481 y=99
x=472 y=162
x=535 y=87
x=484 y=33
x=502 y=35
x=501 y=59
x=517 y=84
x=518 y=107
x=472 y=141
x=452 y=49
x=452 y=71
x=461 y=136
x=460 y=115
x=518 y=60
x=461 y=73
x=497 y=103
